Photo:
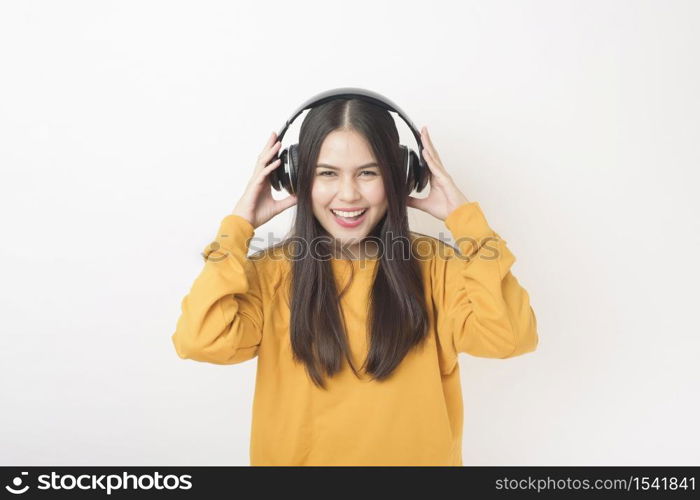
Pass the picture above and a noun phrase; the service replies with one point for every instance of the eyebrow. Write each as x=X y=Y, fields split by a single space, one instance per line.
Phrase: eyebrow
x=368 y=165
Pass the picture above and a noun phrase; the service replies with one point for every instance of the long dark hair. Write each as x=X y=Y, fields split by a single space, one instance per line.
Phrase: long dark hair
x=398 y=319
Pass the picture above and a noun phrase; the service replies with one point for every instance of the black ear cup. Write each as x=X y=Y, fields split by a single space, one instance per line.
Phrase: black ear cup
x=418 y=175
x=293 y=161
x=406 y=166
x=285 y=175
x=276 y=176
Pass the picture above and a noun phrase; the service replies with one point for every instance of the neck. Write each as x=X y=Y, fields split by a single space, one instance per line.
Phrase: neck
x=360 y=251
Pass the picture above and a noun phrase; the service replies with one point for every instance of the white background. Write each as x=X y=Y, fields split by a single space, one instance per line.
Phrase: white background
x=128 y=130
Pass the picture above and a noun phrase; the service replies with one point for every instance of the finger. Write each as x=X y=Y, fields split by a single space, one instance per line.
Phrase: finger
x=434 y=167
x=265 y=171
x=432 y=149
x=285 y=203
x=270 y=141
x=266 y=155
x=425 y=136
x=414 y=202
x=269 y=168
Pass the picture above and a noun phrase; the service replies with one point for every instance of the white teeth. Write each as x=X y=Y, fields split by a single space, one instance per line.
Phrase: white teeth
x=348 y=214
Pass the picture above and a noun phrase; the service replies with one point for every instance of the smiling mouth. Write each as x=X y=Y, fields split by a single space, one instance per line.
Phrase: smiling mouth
x=350 y=219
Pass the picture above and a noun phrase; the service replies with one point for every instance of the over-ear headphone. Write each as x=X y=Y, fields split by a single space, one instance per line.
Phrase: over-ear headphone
x=285 y=176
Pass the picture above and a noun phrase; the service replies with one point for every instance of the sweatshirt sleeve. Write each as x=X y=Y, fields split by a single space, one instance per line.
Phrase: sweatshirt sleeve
x=482 y=310
x=221 y=317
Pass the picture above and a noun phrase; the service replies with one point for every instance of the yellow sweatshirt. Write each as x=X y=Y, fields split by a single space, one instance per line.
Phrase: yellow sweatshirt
x=237 y=309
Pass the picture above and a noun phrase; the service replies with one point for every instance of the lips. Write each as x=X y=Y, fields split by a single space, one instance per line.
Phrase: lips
x=336 y=210
x=349 y=223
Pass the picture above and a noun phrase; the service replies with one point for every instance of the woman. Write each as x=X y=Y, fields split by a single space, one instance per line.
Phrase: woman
x=356 y=321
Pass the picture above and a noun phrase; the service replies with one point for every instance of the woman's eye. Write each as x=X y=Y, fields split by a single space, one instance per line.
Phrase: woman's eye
x=330 y=172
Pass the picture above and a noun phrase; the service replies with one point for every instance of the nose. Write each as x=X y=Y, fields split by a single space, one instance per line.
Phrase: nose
x=348 y=191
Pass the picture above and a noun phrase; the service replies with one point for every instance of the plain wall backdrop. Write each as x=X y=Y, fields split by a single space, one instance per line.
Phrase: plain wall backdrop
x=129 y=129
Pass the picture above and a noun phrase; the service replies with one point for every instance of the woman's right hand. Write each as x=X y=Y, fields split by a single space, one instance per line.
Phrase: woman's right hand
x=257 y=205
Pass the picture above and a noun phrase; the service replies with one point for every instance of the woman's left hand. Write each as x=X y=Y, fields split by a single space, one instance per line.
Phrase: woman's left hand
x=444 y=195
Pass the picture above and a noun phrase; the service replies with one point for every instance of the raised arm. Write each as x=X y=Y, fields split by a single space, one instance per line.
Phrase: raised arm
x=221 y=317
x=482 y=309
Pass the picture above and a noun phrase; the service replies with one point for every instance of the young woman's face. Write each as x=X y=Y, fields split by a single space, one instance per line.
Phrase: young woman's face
x=347 y=178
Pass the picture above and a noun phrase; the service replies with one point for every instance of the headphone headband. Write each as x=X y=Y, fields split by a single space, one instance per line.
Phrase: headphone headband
x=355 y=92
